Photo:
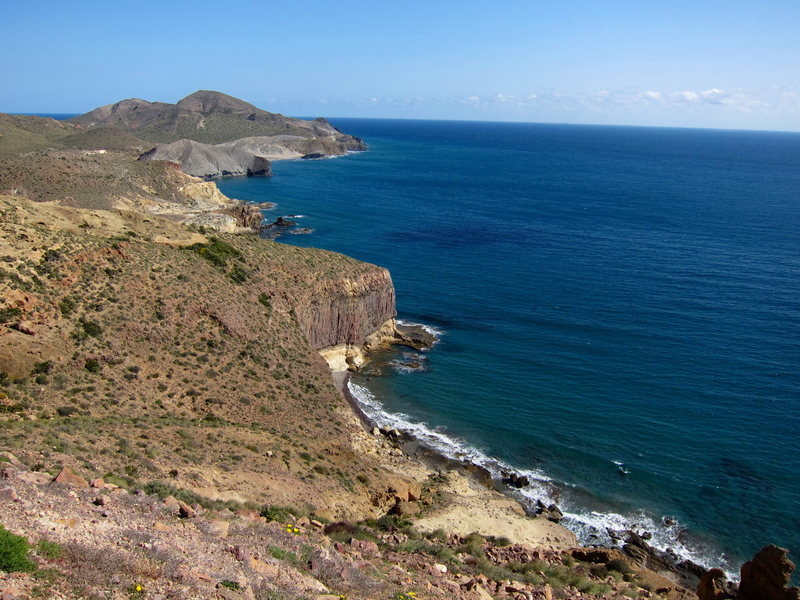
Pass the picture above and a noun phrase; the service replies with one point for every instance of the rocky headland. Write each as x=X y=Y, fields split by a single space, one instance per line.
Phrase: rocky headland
x=169 y=425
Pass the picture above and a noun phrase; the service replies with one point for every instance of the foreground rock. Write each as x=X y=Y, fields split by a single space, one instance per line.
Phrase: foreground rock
x=766 y=576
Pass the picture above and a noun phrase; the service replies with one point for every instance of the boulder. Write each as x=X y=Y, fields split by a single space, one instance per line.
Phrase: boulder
x=766 y=576
x=406 y=509
x=712 y=586
x=8 y=494
x=69 y=477
x=515 y=480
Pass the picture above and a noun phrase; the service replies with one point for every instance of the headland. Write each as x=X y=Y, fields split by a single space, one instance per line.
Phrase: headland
x=169 y=420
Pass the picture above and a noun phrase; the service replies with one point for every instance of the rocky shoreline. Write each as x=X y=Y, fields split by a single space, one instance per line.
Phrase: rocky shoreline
x=712 y=584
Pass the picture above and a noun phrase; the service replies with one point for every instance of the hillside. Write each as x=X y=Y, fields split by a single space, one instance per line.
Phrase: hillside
x=159 y=359
x=208 y=117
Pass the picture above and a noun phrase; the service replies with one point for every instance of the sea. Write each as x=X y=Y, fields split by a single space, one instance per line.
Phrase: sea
x=617 y=309
x=617 y=312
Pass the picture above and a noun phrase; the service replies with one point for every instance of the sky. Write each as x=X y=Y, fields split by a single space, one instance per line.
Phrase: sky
x=731 y=64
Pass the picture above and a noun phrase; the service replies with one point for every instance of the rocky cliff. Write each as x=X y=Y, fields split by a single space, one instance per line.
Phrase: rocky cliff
x=209 y=162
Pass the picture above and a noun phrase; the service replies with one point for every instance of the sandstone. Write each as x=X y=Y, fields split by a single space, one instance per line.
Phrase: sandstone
x=217 y=527
x=171 y=503
x=69 y=477
x=36 y=477
x=406 y=509
x=97 y=483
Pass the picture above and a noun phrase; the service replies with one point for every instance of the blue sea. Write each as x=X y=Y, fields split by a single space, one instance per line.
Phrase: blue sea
x=618 y=311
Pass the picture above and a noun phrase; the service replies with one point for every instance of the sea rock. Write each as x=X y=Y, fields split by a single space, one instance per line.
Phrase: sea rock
x=515 y=480
x=281 y=222
x=247 y=216
x=413 y=336
x=766 y=576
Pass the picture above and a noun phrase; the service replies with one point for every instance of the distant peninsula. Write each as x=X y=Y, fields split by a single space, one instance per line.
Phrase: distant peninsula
x=157 y=158
x=211 y=134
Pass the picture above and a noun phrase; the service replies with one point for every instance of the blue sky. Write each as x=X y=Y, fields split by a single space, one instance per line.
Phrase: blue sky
x=731 y=64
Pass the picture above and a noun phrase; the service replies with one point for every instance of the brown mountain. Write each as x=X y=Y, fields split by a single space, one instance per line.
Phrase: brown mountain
x=208 y=117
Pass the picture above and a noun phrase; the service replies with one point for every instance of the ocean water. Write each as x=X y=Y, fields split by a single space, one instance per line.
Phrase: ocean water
x=618 y=308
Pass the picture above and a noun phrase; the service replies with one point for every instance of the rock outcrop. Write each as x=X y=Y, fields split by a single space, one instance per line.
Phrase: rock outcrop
x=349 y=309
x=766 y=576
x=713 y=586
x=210 y=162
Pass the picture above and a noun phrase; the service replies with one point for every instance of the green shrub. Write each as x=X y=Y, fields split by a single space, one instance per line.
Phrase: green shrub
x=238 y=274
x=279 y=513
x=49 y=550
x=265 y=300
x=92 y=365
x=14 y=552
x=43 y=367
x=216 y=251
x=67 y=306
x=7 y=314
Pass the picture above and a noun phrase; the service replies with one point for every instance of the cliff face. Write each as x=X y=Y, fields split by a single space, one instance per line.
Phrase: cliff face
x=211 y=344
x=209 y=162
x=348 y=310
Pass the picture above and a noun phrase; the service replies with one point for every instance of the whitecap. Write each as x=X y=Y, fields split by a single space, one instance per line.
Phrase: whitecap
x=591 y=527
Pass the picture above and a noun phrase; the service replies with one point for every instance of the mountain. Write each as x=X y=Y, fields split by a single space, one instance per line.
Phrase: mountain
x=208 y=117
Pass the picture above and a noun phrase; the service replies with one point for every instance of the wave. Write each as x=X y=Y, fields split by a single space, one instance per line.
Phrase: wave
x=592 y=528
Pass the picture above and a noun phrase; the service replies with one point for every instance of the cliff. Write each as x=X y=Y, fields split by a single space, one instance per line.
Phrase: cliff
x=203 y=342
x=209 y=162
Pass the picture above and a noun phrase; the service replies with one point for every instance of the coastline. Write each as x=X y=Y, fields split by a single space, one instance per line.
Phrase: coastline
x=471 y=502
x=471 y=487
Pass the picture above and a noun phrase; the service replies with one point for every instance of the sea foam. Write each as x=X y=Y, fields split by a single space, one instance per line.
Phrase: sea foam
x=592 y=528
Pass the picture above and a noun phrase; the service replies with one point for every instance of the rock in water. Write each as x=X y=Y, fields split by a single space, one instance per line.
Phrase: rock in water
x=766 y=576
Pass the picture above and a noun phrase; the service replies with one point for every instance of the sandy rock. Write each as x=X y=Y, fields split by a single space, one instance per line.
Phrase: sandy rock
x=97 y=483
x=481 y=593
x=323 y=514
x=69 y=477
x=406 y=509
x=35 y=477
